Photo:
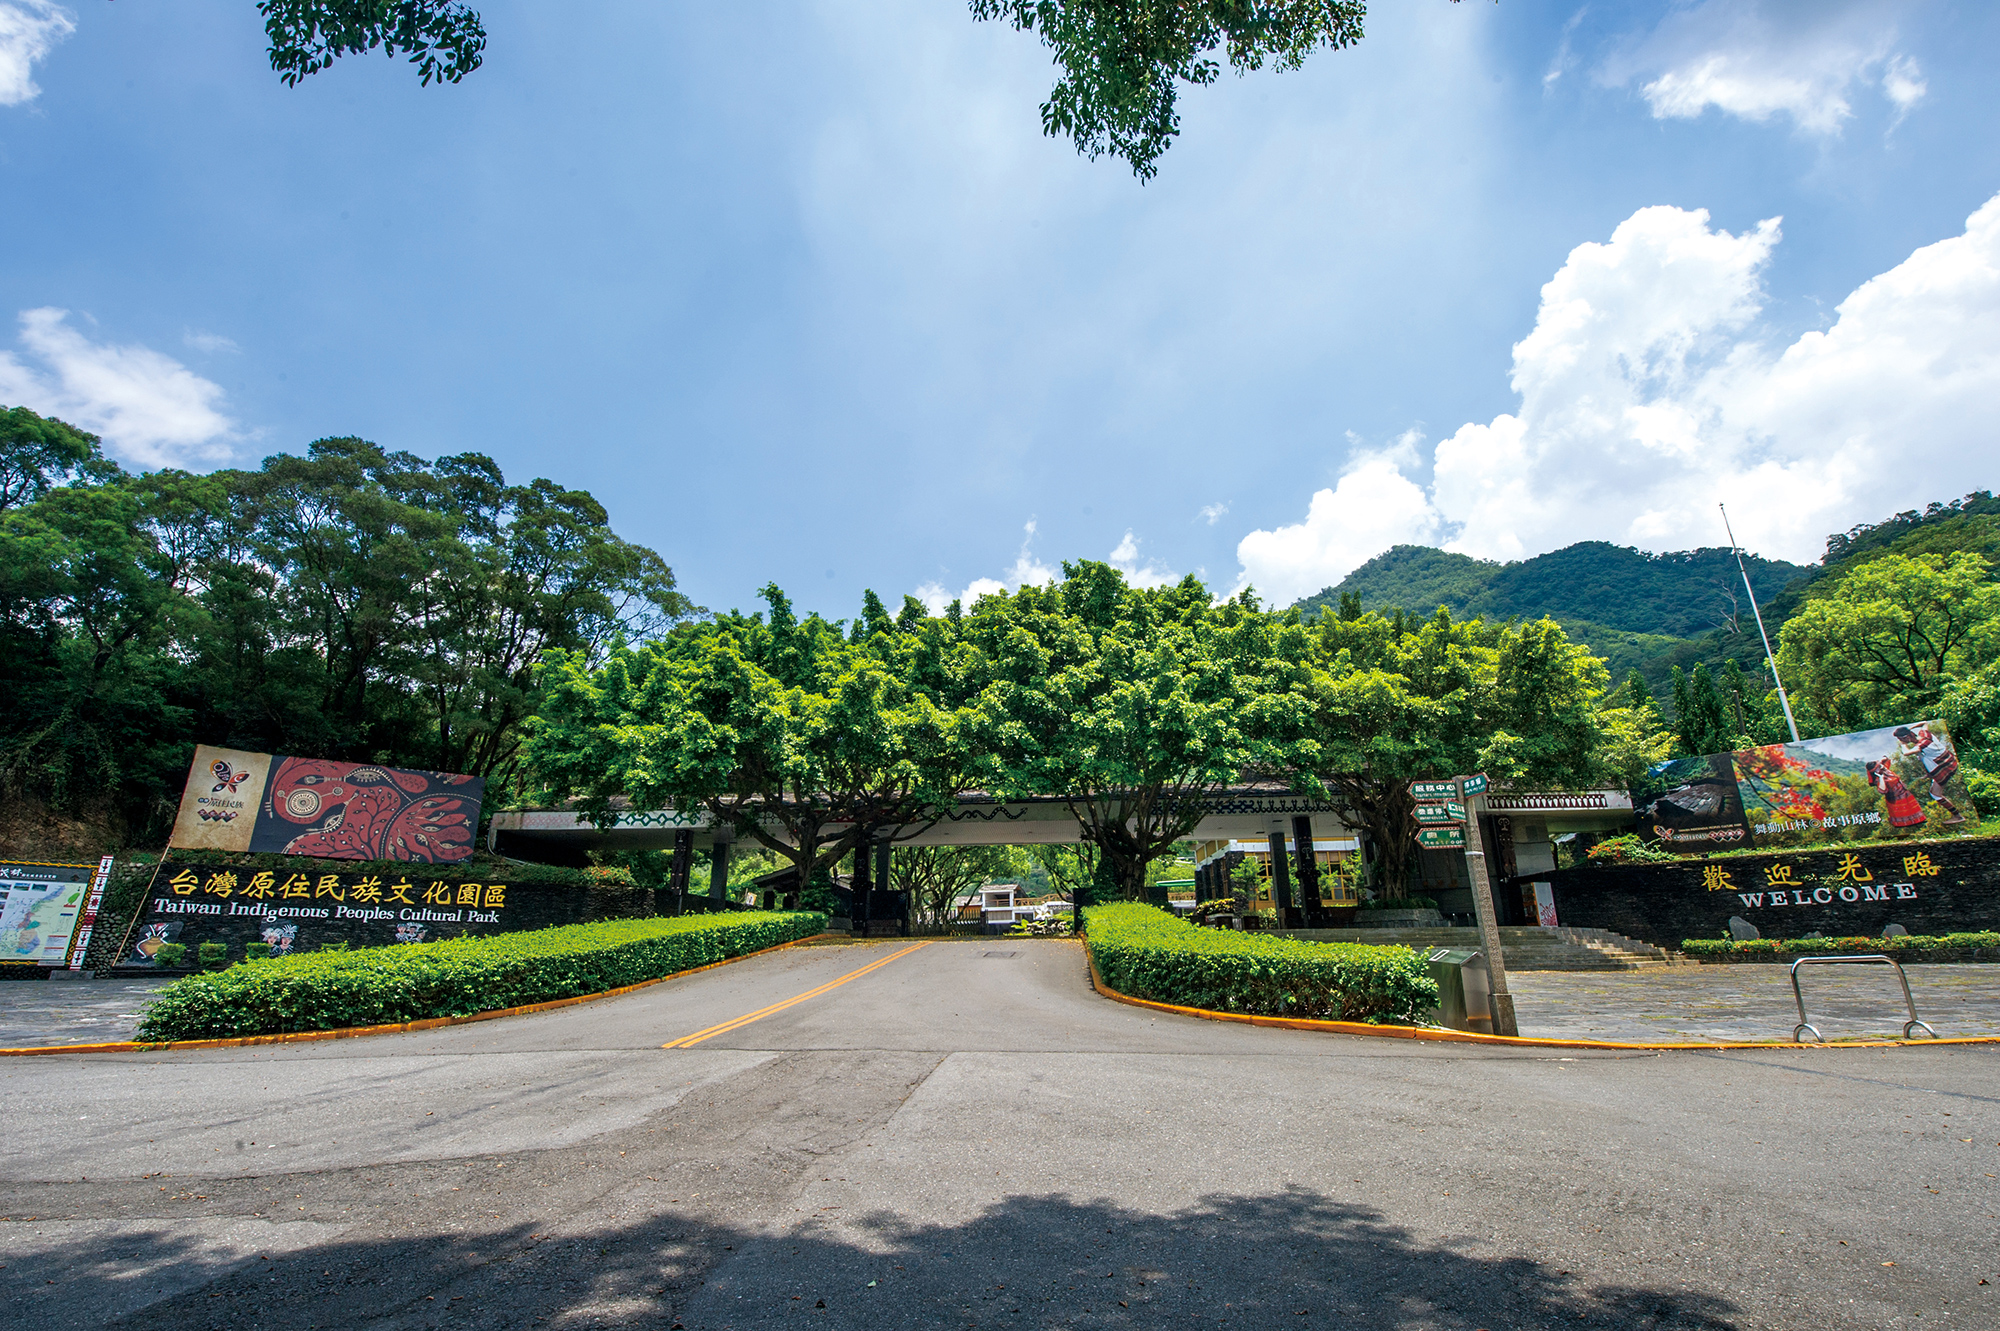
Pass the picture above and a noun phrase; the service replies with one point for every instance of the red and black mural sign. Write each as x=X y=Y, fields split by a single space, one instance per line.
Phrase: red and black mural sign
x=325 y=808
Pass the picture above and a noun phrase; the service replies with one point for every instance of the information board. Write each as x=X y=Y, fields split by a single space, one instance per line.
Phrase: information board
x=40 y=908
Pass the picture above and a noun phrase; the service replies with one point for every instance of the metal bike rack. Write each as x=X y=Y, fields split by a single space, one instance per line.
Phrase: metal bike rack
x=1890 y=962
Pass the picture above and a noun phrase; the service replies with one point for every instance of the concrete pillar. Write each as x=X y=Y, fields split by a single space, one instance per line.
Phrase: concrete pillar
x=863 y=885
x=883 y=849
x=1281 y=882
x=1308 y=869
x=718 y=863
x=680 y=868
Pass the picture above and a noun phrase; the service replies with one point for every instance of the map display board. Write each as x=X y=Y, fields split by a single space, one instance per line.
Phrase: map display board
x=40 y=908
x=325 y=808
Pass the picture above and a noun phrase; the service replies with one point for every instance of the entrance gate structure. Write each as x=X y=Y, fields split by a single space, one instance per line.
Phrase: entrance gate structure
x=1286 y=821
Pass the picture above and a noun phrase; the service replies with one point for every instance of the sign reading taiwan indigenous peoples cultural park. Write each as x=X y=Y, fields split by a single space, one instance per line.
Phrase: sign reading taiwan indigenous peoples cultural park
x=306 y=911
x=1886 y=783
x=326 y=809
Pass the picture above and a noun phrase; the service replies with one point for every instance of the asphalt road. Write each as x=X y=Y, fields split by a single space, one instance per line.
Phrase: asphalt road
x=967 y=1136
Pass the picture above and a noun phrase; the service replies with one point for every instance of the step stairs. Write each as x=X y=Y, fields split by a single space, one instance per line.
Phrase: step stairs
x=1526 y=948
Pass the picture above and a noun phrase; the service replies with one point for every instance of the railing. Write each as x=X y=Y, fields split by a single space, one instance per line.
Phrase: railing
x=1890 y=962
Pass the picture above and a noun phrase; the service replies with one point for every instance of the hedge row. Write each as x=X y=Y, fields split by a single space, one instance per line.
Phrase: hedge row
x=455 y=977
x=1983 y=946
x=1145 y=952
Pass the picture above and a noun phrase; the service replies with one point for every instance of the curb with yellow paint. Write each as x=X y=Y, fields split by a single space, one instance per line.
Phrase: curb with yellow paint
x=355 y=1032
x=1444 y=1036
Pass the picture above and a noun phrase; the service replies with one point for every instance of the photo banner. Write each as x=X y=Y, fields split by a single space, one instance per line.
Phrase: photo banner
x=1891 y=782
x=327 y=809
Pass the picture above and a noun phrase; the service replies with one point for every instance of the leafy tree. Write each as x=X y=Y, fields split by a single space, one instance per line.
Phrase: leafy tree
x=443 y=39
x=1395 y=702
x=938 y=877
x=1881 y=645
x=1123 y=61
x=1701 y=724
x=38 y=453
x=803 y=741
x=1131 y=706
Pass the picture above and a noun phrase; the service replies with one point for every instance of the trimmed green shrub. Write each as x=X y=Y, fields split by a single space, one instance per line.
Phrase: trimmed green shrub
x=1400 y=903
x=456 y=977
x=1145 y=952
x=214 y=956
x=1983 y=945
x=256 y=951
x=171 y=955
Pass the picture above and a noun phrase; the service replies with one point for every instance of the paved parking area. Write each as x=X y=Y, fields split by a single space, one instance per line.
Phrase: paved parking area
x=80 y=1011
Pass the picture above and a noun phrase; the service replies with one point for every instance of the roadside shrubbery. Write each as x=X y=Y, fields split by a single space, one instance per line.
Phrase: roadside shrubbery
x=1147 y=953
x=1983 y=946
x=455 y=977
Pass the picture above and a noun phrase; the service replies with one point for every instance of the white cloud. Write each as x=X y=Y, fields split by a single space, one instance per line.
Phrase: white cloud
x=1028 y=570
x=1125 y=558
x=209 y=343
x=1648 y=396
x=1373 y=507
x=29 y=30
x=1757 y=59
x=150 y=409
x=1212 y=513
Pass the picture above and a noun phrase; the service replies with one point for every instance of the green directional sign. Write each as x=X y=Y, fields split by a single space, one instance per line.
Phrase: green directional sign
x=1434 y=815
x=1474 y=785
x=1434 y=790
x=1441 y=838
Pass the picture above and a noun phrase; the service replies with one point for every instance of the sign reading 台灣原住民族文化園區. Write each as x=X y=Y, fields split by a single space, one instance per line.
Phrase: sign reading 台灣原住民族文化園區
x=308 y=911
x=41 y=909
x=325 y=809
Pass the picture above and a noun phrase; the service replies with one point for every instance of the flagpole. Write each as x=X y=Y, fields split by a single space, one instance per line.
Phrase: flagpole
x=1769 y=659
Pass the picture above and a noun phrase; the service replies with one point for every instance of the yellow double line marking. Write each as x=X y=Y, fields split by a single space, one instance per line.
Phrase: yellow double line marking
x=689 y=1041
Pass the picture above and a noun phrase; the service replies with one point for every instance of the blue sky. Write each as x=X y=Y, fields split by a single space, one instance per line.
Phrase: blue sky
x=801 y=292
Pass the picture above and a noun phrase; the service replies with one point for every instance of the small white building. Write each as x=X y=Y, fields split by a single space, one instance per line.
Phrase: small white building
x=998 y=904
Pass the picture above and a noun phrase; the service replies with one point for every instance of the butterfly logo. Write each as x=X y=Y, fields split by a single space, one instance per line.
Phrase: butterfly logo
x=226 y=777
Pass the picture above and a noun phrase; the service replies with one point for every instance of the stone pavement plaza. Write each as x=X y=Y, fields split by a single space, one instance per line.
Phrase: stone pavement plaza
x=967 y=1136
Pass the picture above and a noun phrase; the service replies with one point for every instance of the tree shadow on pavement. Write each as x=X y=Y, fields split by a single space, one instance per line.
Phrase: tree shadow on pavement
x=1294 y=1259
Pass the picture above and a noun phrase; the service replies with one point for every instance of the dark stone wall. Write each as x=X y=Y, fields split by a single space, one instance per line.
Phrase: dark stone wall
x=304 y=911
x=1934 y=887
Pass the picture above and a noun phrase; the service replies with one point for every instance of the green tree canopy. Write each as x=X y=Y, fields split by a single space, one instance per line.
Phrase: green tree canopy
x=1882 y=644
x=1130 y=705
x=786 y=730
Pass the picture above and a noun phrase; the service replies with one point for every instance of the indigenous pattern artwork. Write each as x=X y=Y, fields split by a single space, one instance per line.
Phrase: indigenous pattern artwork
x=326 y=809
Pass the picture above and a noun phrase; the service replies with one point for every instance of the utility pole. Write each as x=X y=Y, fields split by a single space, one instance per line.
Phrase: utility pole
x=1769 y=659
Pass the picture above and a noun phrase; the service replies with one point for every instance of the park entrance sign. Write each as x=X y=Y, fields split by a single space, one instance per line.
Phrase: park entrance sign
x=327 y=809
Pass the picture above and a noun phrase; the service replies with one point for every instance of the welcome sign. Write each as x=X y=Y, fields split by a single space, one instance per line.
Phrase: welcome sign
x=325 y=808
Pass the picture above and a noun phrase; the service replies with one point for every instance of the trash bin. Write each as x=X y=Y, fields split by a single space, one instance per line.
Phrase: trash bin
x=1465 y=988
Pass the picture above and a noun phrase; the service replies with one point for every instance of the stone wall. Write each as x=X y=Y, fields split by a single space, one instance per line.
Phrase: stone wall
x=1930 y=887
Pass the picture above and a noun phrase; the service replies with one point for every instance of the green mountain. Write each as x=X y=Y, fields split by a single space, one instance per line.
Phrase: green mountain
x=1680 y=595
x=1651 y=613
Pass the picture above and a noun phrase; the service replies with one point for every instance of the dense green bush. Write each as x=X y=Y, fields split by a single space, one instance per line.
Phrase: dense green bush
x=455 y=976
x=1628 y=849
x=1984 y=945
x=1147 y=953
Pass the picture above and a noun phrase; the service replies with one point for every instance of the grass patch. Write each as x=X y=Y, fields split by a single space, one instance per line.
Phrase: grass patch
x=1145 y=952
x=455 y=977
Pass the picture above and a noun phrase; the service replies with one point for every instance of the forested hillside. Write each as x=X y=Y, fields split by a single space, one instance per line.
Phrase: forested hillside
x=350 y=603
x=1653 y=613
